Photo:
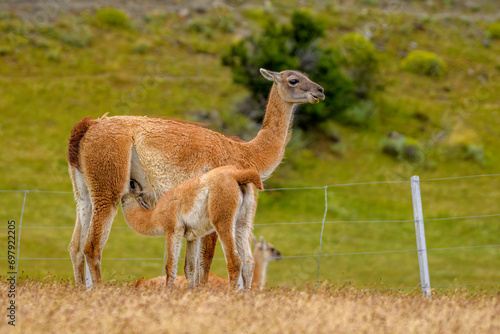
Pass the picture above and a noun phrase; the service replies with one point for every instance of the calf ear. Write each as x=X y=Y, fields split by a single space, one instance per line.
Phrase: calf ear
x=263 y=243
x=270 y=75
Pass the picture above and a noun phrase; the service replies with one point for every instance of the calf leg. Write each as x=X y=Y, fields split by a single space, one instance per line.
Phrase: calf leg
x=191 y=265
x=223 y=223
x=243 y=234
x=174 y=243
x=207 y=251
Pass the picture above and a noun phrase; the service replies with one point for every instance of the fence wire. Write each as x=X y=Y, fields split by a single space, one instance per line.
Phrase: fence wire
x=308 y=223
x=284 y=257
x=323 y=222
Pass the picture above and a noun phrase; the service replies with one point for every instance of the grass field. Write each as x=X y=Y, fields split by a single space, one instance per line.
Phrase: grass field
x=61 y=307
x=53 y=75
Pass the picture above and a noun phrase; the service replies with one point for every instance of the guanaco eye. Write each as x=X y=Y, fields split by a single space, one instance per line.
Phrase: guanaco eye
x=293 y=82
x=132 y=185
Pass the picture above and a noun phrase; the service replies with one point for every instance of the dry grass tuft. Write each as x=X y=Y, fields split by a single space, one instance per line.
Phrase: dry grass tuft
x=62 y=308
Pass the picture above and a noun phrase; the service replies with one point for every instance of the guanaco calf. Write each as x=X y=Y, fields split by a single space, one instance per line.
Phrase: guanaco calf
x=263 y=253
x=223 y=199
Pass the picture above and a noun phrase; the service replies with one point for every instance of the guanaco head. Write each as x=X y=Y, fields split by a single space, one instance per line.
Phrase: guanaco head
x=295 y=87
x=134 y=194
x=265 y=250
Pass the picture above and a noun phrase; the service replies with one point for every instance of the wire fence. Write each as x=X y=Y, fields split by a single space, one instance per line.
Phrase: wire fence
x=323 y=222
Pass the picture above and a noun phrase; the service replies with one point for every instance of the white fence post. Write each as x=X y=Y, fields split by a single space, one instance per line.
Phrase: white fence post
x=19 y=233
x=88 y=279
x=425 y=281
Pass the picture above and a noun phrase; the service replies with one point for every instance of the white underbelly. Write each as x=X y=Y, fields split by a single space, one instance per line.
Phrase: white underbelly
x=196 y=221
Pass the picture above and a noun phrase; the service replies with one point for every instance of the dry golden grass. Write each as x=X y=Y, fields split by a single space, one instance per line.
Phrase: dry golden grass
x=62 y=308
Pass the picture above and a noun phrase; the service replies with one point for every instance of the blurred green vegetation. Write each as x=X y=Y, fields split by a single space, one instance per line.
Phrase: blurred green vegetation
x=168 y=65
x=112 y=17
x=494 y=30
x=294 y=45
x=425 y=63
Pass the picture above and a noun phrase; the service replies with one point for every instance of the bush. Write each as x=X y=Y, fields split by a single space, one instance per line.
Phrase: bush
x=5 y=50
x=359 y=56
x=293 y=46
x=360 y=114
x=402 y=148
x=474 y=152
x=201 y=27
x=425 y=63
x=41 y=42
x=156 y=18
x=5 y=15
x=217 y=20
x=78 y=36
x=112 y=17
x=222 y=19
x=465 y=144
x=494 y=30
x=54 y=55
x=140 y=47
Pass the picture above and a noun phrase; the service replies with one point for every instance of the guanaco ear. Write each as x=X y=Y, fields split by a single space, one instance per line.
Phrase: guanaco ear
x=263 y=243
x=270 y=75
x=254 y=239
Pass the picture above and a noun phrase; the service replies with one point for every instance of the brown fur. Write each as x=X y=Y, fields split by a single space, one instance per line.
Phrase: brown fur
x=161 y=154
x=184 y=121
x=76 y=136
x=217 y=200
x=204 y=125
x=247 y=176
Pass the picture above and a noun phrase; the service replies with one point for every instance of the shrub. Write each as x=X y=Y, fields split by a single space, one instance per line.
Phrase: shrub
x=5 y=50
x=474 y=152
x=464 y=144
x=222 y=19
x=402 y=148
x=360 y=114
x=202 y=27
x=293 y=46
x=78 y=36
x=468 y=152
x=217 y=20
x=494 y=30
x=112 y=17
x=331 y=131
x=41 y=42
x=74 y=33
x=359 y=56
x=156 y=18
x=256 y=14
x=140 y=47
x=425 y=63
x=4 y=15
x=54 y=55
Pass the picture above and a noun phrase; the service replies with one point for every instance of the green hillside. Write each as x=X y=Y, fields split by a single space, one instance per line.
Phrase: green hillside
x=168 y=65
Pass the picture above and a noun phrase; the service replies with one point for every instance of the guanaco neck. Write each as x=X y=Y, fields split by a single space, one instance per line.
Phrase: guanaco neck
x=138 y=218
x=259 y=273
x=267 y=148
